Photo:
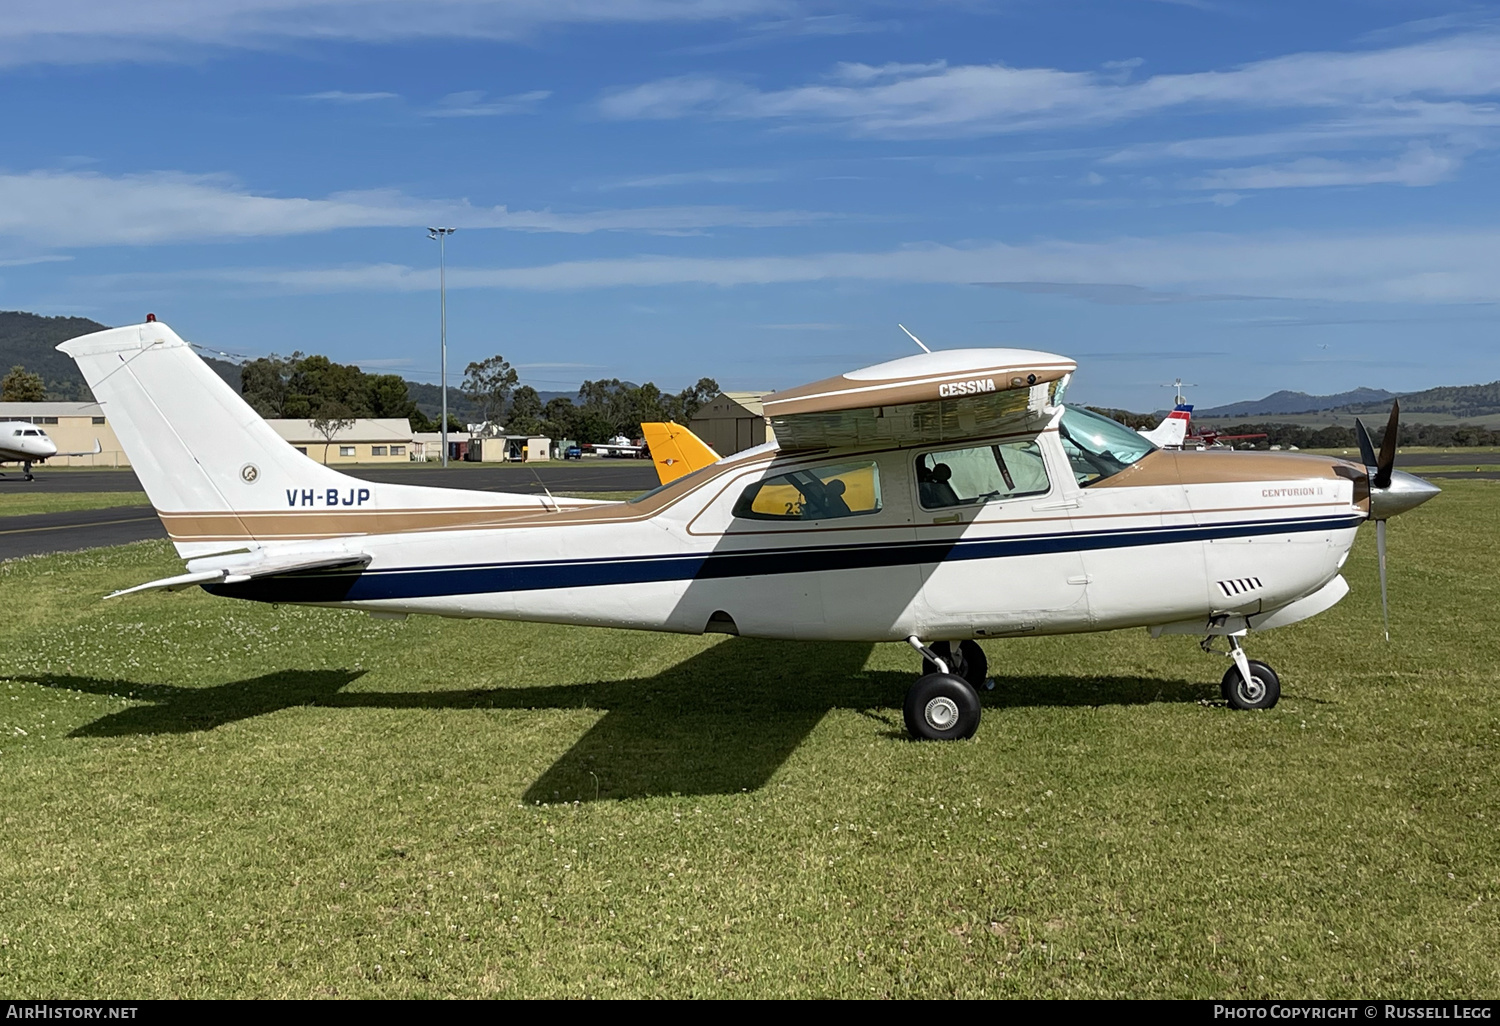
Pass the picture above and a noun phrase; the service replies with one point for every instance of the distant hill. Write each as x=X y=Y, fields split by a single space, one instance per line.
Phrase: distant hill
x=1299 y=402
x=31 y=341
x=1461 y=401
x=1477 y=405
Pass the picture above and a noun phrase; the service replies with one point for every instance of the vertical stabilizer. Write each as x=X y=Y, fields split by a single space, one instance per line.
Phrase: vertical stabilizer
x=676 y=451
x=219 y=476
x=1171 y=432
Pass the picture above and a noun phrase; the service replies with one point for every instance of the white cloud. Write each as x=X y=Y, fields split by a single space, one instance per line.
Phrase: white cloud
x=932 y=100
x=719 y=176
x=339 y=96
x=1418 y=166
x=84 y=31
x=473 y=104
x=1435 y=267
x=71 y=209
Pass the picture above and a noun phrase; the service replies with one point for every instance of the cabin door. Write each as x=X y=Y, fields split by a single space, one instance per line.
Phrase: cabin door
x=994 y=523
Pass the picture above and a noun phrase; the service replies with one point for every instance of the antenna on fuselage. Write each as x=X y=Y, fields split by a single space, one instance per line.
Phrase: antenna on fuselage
x=555 y=507
x=914 y=338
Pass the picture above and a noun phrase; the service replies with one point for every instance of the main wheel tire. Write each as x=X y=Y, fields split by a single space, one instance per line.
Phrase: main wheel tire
x=969 y=662
x=1260 y=692
x=941 y=707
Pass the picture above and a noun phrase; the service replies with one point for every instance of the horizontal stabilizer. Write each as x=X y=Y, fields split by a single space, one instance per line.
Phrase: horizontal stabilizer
x=238 y=574
x=96 y=450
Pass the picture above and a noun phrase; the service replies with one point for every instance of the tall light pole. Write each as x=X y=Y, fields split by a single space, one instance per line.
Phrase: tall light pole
x=441 y=234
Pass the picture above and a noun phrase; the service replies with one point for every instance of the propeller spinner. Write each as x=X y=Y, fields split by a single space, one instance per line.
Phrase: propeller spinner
x=1391 y=491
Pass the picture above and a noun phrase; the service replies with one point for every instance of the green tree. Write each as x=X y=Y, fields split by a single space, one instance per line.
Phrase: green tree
x=21 y=386
x=329 y=420
x=560 y=419
x=683 y=406
x=317 y=381
x=389 y=398
x=488 y=384
x=525 y=416
x=265 y=383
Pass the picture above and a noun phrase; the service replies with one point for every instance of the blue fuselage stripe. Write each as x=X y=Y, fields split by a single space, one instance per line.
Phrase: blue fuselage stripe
x=437 y=581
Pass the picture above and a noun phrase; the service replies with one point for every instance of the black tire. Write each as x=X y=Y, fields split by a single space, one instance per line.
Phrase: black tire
x=1262 y=691
x=969 y=662
x=941 y=707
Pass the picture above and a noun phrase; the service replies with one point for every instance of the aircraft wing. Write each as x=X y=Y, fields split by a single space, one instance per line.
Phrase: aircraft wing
x=227 y=575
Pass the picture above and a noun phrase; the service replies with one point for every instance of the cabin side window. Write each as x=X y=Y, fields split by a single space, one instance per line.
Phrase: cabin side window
x=983 y=473
x=815 y=493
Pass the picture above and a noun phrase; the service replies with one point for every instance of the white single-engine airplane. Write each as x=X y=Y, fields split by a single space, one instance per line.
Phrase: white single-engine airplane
x=937 y=499
x=23 y=442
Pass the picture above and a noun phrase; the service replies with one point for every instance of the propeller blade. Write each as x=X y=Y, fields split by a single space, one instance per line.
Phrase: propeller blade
x=1385 y=605
x=1387 y=461
x=1366 y=449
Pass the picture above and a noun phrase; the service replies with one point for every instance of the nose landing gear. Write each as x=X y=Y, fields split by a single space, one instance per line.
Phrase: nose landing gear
x=1249 y=683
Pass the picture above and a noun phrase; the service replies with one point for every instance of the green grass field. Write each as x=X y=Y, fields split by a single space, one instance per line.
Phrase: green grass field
x=15 y=505
x=210 y=798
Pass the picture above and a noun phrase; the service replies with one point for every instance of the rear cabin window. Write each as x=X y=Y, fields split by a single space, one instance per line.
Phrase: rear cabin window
x=986 y=473
x=816 y=493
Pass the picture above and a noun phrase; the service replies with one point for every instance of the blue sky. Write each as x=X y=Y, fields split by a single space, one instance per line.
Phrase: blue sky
x=1249 y=195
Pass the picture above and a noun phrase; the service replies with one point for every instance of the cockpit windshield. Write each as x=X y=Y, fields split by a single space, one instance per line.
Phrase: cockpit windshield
x=1098 y=447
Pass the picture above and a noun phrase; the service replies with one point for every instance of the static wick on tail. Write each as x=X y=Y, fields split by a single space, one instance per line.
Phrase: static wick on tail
x=914 y=338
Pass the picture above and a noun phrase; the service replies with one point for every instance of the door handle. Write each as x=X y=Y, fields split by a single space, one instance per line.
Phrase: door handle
x=956 y=518
x=1043 y=507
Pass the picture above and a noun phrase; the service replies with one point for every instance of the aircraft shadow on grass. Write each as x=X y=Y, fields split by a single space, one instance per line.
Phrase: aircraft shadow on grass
x=721 y=722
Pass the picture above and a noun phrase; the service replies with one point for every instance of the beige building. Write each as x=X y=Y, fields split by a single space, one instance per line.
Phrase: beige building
x=428 y=445
x=509 y=449
x=387 y=440
x=732 y=422
x=73 y=427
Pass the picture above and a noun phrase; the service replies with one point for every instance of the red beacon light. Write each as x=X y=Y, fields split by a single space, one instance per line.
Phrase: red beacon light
x=150 y=318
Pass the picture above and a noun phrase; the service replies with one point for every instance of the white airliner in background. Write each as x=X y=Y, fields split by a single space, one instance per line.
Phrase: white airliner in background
x=936 y=499
x=23 y=442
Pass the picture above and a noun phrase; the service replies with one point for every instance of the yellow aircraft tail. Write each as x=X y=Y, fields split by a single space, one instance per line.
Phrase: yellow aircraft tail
x=676 y=451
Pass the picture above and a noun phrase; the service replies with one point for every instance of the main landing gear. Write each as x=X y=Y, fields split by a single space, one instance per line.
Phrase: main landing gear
x=1249 y=683
x=943 y=705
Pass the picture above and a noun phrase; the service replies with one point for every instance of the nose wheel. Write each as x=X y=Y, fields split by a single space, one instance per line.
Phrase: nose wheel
x=1249 y=683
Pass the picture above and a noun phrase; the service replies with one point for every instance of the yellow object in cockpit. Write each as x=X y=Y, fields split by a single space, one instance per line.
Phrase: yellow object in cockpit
x=782 y=497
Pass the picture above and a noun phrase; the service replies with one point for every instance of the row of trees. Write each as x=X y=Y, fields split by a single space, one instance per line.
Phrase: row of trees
x=302 y=387
x=604 y=408
x=1337 y=437
x=1333 y=437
